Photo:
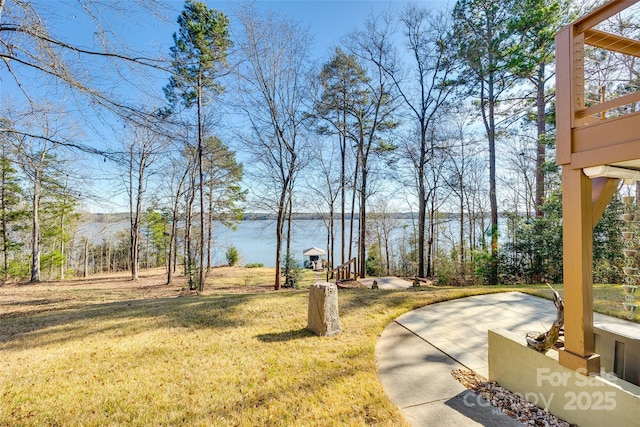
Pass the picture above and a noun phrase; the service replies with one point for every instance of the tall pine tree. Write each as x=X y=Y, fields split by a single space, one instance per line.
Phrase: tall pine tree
x=483 y=37
x=199 y=57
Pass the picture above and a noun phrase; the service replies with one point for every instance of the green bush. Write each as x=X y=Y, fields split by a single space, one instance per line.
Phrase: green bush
x=444 y=267
x=374 y=261
x=482 y=265
x=232 y=256
x=254 y=265
x=292 y=272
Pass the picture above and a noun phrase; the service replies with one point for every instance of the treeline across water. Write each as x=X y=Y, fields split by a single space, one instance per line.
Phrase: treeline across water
x=101 y=245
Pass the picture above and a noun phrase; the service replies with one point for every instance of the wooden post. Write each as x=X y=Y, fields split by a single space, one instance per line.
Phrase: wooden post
x=577 y=244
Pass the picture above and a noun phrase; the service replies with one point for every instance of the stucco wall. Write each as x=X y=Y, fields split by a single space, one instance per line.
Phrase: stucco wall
x=586 y=401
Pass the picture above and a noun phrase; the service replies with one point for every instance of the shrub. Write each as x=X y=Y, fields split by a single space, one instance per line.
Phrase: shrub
x=444 y=267
x=232 y=256
x=254 y=265
x=374 y=261
x=482 y=265
x=292 y=272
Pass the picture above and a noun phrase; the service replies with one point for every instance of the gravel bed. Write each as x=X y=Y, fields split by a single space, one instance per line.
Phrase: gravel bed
x=509 y=403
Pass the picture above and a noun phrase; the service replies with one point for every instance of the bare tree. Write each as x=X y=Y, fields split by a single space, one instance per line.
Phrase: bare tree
x=176 y=183
x=383 y=223
x=30 y=51
x=425 y=92
x=273 y=88
x=38 y=162
x=374 y=114
x=222 y=187
x=142 y=147
x=463 y=155
x=325 y=187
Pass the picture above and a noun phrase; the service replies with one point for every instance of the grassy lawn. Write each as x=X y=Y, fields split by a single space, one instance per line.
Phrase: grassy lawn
x=112 y=352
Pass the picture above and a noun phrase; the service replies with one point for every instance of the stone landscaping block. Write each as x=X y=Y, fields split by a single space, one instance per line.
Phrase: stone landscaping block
x=323 y=318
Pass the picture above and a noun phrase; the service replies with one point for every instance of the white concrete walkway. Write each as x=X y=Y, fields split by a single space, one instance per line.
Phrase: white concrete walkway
x=390 y=282
x=416 y=353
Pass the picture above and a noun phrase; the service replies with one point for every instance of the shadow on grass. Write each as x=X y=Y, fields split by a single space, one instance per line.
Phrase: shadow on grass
x=286 y=335
x=36 y=302
x=313 y=385
x=124 y=317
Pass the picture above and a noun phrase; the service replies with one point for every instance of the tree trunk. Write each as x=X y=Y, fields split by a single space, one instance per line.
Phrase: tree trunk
x=135 y=215
x=488 y=103
x=362 y=249
x=430 y=244
x=541 y=149
x=353 y=204
x=188 y=239
x=35 y=248
x=5 y=227
x=62 y=266
x=422 y=202
x=493 y=279
x=289 y=216
x=331 y=245
x=343 y=155
x=387 y=253
x=172 y=243
x=421 y=231
x=463 y=272
x=209 y=229
x=279 y=228
x=201 y=271
x=173 y=238
x=85 y=273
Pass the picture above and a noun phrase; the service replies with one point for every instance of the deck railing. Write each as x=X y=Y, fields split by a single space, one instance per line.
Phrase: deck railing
x=592 y=128
x=344 y=272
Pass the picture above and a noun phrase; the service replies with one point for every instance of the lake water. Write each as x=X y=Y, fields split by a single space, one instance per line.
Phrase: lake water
x=256 y=241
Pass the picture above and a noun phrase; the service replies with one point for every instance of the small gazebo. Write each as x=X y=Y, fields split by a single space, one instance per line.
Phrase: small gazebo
x=314 y=258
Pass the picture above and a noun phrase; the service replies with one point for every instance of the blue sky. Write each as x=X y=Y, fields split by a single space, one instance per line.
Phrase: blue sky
x=328 y=23
x=330 y=20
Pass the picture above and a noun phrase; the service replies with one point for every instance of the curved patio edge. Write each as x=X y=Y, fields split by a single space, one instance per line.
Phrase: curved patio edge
x=416 y=353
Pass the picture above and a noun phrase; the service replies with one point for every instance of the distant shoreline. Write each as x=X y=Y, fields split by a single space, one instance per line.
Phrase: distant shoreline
x=253 y=216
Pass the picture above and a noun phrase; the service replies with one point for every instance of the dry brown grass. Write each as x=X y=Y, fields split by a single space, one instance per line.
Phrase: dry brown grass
x=113 y=352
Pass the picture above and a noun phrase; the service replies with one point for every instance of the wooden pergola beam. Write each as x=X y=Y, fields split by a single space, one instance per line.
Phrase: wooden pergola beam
x=612 y=42
x=601 y=14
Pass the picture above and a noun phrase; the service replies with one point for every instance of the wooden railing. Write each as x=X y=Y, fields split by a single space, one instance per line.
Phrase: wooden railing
x=344 y=272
